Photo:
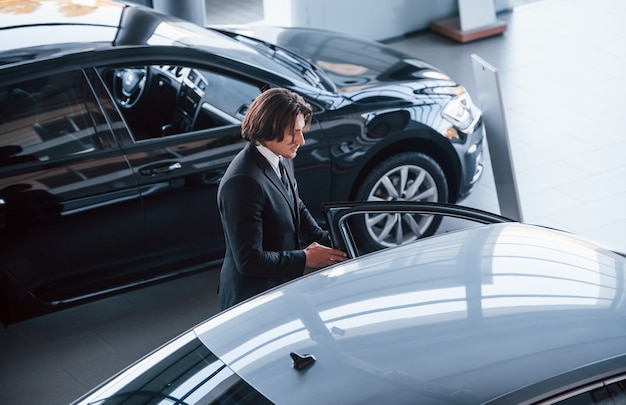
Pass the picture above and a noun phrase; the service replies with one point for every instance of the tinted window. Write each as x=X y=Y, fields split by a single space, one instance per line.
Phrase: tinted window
x=162 y=100
x=190 y=375
x=608 y=393
x=617 y=391
x=47 y=118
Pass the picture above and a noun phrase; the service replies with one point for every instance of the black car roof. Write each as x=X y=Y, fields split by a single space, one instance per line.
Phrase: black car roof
x=60 y=25
x=40 y=25
x=57 y=28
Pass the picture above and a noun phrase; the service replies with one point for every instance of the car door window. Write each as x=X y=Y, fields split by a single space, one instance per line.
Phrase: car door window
x=45 y=119
x=163 y=100
x=346 y=219
x=608 y=392
x=184 y=126
x=67 y=192
x=189 y=374
x=617 y=390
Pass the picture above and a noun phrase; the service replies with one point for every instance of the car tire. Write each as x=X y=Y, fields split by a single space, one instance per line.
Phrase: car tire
x=410 y=176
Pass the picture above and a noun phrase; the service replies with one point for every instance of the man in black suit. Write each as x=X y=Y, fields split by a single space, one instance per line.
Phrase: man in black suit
x=270 y=235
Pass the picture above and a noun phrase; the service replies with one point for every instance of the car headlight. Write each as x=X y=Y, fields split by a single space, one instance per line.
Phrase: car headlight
x=462 y=113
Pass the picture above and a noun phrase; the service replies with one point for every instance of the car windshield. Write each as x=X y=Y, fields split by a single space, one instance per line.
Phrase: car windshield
x=189 y=374
x=216 y=42
x=311 y=73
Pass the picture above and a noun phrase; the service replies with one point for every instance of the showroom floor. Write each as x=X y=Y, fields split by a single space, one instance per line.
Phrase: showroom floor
x=561 y=67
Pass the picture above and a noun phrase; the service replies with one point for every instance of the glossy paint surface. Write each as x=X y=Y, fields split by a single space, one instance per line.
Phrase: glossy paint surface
x=114 y=194
x=460 y=318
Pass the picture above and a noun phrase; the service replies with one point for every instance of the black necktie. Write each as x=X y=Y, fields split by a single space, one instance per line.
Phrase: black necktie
x=284 y=178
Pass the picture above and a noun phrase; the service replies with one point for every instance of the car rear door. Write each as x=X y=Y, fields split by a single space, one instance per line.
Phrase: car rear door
x=70 y=209
x=185 y=128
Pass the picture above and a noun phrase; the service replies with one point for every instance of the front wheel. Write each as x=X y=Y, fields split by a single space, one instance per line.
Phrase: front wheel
x=410 y=176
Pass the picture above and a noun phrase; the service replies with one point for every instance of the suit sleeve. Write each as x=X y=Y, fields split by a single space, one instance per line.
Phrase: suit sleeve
x=310 y=231
x=256 y=246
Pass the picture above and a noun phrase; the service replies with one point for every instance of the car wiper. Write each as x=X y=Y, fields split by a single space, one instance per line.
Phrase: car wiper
x=305 y=68
x=311 y=73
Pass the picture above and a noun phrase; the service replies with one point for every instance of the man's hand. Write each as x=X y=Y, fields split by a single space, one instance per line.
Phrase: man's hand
x=318 y=256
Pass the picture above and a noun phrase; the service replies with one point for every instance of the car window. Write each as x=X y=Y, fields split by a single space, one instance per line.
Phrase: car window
x=354 y=225
x=163 y=100
x=607 y=392
x=48 y=118
x=190 y=374
x=617 y=391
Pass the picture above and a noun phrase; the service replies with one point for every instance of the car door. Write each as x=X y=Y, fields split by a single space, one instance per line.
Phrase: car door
x=185 y=128
x=345 y=218
x=70 y=212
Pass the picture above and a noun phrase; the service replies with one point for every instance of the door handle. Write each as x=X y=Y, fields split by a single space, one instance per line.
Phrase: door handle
x=160 y=169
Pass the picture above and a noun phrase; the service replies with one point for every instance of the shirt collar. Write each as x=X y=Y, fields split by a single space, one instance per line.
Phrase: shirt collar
x=271 y=157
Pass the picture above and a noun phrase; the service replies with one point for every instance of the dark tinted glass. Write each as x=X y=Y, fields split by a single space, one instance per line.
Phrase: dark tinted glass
x=617 y=391
x=162 y=100
x=610 y=394
x=47 y=118
x=190 y=375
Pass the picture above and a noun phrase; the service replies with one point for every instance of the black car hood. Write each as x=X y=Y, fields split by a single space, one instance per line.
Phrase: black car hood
x=371 y=64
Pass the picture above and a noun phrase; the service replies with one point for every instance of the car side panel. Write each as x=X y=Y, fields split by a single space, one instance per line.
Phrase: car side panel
x=179 y=137
x=178 y=179
x=68 y=180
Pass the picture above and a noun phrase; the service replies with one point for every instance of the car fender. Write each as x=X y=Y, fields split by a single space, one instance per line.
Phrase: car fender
x=415 y=137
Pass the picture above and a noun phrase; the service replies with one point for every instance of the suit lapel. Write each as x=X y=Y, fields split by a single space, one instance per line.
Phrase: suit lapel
x=270 y=174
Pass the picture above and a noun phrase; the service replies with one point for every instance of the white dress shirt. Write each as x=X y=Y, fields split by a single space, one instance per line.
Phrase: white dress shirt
x=271 y=157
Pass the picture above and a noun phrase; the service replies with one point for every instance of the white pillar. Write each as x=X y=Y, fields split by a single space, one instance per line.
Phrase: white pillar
x=277 y=12
x=497 y=133
x=475 y=14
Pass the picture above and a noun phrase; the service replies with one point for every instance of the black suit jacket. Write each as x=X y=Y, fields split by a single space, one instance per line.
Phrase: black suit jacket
x=265 y=230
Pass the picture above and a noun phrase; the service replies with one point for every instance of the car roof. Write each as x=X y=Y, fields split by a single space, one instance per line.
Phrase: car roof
x=40 y=24
x=52 y=23
x=60 y=12
x=464 y=317
x=56 y=28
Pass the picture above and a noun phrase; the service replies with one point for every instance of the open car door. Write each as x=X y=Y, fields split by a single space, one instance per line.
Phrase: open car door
x=347 y=221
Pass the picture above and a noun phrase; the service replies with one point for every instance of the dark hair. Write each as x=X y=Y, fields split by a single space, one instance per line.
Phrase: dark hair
x=271 y=113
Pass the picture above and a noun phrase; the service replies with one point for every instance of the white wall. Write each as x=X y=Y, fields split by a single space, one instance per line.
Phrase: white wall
x=367 y=19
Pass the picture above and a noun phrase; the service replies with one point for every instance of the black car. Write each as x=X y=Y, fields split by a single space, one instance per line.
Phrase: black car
x=117 y=123
x=495 y=312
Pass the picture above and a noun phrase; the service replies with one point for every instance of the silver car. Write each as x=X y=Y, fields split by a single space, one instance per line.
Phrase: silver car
x=498 y=312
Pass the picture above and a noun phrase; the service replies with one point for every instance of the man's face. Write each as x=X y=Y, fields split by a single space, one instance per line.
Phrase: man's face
x=293 y=138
